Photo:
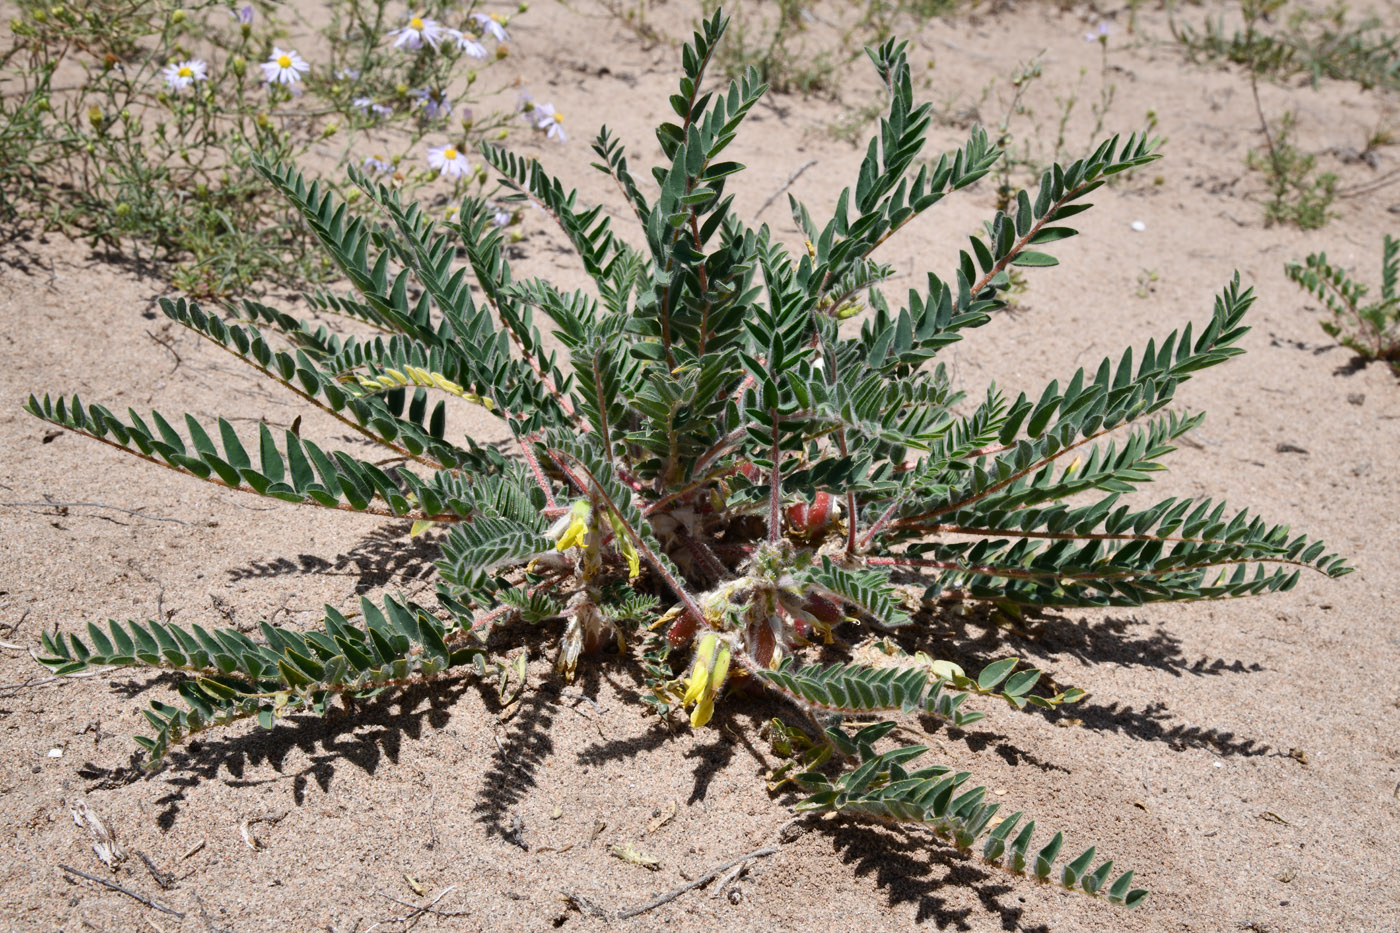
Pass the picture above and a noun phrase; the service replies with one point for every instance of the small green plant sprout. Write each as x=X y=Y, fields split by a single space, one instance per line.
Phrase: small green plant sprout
x=1371 y=329
x=1298 y=195
x=1318 y=44
x=1146 y=282
x=715 y=473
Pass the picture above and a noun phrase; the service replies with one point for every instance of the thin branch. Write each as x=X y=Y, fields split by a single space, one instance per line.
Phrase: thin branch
x=676 y=585
x=785 y=186
x=704 y=879
x=121 y=890
x=93 y=505
x=997 y=487
x=1017 y=573
x=353 y=425
x=1068 y=535
x=775 y=488
x=443 y=518
x=420 y=910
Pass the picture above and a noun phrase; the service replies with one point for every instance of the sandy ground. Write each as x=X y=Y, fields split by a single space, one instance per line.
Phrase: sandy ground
x=1242 y=756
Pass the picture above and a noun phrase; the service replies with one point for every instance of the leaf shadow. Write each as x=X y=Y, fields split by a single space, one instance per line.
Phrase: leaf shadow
x=907 y=868
x=372 y=733
x=1126 y=641
x=385 y=556
x=969 y=639
x=1154 y=723
x=519 y=755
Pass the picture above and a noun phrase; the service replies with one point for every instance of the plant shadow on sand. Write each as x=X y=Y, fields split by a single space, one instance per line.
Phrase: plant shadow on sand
x=1125 y=641
x=911 y=871
x=380 y=725
x=373 y=733
x=385 y=556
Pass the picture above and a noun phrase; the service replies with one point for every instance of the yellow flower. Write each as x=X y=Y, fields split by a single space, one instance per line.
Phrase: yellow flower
x=703 y=711
x=623 y=542
x=698 y=679
x=577 y=530
x=706 y=678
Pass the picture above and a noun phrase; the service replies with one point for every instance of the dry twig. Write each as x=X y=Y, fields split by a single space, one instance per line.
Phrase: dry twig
x=419 y=910
x=785 y=186
x=704 y=879
x=121 y=890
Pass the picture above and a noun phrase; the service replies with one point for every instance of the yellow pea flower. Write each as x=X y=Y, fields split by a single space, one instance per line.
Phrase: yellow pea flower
x=623 y=542
x=706 y=678
x=577 y=529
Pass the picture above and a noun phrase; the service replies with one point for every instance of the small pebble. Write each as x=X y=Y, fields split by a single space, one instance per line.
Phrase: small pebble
x=55 y=753
x=1139 y=226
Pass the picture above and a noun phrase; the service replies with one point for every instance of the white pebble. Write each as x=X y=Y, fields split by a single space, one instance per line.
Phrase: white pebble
x=55 y=753
x=1139 y=226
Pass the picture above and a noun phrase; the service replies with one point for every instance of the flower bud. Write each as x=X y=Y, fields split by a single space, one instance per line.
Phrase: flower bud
x=246 y=29
x=122 y=209
x=95 y=116
x=523 y=8
x=330 y=129
x=263 y=122
x=177 y=17
x=502 y=51
x=239 y=65
x=401 y=90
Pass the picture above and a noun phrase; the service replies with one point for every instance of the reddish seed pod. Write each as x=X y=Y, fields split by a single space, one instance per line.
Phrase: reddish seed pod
x=681 y=630
x=748 y=469
x=764 y=646
x=823 y=608
x=595 y=640
x=810 y=520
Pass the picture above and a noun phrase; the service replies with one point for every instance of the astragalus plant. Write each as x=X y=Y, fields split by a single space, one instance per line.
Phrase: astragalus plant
x=714 y=473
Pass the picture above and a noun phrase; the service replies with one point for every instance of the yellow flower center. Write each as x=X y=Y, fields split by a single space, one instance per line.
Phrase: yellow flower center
x=449 y=153
x=415 y=23
x=185 y=71
x=496 y=17
x=284 y=61
x=558 y=117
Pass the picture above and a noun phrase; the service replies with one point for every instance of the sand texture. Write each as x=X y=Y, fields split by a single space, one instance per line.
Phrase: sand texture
x=1243 y=756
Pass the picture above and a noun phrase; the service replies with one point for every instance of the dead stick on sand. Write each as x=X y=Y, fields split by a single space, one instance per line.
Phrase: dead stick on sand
x=419 y=911
x=704 y=879
x=91 y=505
x=786 y=185
x=9 y=690
x=121 y=890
